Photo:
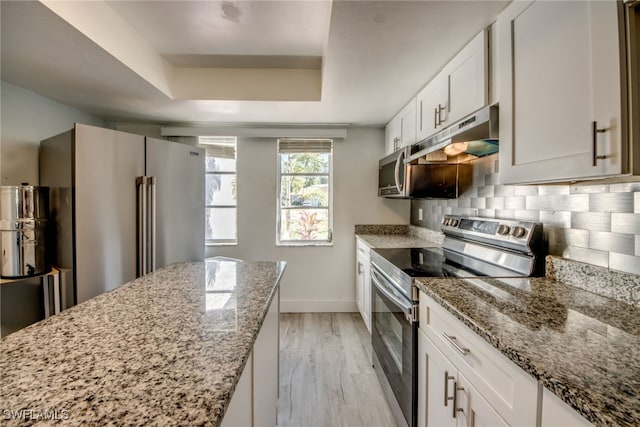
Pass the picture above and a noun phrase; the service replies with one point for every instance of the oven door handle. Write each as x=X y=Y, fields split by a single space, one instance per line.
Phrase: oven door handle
x=378 y=282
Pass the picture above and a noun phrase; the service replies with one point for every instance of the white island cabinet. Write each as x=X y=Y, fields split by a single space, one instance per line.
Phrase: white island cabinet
x=560 y=91
x=255 y=401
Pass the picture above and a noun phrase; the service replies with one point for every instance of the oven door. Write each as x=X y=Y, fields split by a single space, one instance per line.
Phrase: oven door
x=394 y=338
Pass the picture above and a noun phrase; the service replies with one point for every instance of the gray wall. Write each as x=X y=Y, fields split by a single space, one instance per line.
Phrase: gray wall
x=317 y=278
x=589 y=222
x=26 y=119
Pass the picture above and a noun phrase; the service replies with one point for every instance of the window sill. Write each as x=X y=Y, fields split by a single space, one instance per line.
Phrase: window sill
x=303 y=244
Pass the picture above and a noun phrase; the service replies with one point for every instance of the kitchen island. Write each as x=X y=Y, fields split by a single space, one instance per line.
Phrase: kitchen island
x=165 y=349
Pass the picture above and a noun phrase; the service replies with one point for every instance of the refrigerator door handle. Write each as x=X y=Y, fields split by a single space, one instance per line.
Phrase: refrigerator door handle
x=142 y=225
x=151 y=182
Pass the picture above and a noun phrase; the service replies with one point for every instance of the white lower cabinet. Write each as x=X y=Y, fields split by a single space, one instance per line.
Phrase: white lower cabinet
x=436 y=375
x=448 y=398
x=474 y=410
x=556 y=413
x=363 y=282
x=483 y=386
x=255 y=401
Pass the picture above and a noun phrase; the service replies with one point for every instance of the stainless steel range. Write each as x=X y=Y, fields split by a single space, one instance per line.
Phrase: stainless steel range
x=473 y=247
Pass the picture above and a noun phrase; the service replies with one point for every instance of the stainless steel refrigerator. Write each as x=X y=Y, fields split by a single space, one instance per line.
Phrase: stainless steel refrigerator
x=122 y=204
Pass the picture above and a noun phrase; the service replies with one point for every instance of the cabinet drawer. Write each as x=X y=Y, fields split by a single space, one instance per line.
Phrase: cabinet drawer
x=505 y=386
x=363 y=252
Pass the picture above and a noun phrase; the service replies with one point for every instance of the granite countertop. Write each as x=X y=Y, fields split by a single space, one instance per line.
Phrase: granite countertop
x=581 y=346
x=165 y=349
x=398 y=236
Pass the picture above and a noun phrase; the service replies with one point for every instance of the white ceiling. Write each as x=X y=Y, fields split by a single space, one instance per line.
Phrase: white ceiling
x=121 y=60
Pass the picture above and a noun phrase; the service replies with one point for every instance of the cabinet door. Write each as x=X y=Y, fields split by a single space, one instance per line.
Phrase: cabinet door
x=431 y=104
x=366 y=291
x=474 y=410
x=393 y=134
x=467 y=74
x=560 y=74
x=408 y=124
x=240 y=410
x=266 y=368
x=363 y=285
x=436 y=379
x=360 y=286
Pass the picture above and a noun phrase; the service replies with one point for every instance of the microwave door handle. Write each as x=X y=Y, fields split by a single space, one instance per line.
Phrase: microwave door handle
x=399 y=164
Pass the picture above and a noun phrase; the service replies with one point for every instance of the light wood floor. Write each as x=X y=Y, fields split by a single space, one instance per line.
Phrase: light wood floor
x=326 y=377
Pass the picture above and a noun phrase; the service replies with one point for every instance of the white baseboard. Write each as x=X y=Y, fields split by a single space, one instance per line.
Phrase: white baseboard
x=317 y=306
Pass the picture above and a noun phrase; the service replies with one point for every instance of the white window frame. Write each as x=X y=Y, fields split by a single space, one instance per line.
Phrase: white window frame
x=204 y=142
x=279 y=208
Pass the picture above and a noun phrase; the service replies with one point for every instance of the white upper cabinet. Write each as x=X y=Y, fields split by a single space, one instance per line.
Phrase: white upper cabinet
x=408 y=124
x=401 y=130
x=459 y=89
x=468 y=76
x=392 y=133
x=432 y=103
x=560 y=106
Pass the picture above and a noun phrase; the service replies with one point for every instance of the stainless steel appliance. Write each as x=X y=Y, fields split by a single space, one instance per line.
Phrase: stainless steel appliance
x=122 y=205
x=473 y=247
x=24 y=213
x=400 y=180
x=477 y=134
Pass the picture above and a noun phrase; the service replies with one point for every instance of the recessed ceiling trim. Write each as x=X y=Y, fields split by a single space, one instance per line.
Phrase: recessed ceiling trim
x=234 y=84
x=255 y=132
x=101 y=24
x=245 y=61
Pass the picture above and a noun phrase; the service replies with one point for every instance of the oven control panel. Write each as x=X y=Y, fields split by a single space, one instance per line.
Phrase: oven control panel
x=501 y=232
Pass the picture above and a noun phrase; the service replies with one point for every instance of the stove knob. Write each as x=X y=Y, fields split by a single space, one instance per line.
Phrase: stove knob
x=519 y=232
x=455 y=222
x=503 y=230
x=444 y=221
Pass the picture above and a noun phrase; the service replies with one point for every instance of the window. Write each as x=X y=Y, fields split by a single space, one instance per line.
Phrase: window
x=304 y=192
x=221 y=191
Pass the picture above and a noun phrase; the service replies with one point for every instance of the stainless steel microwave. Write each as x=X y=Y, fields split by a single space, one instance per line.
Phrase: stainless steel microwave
x=392 y=174
x=400 y=180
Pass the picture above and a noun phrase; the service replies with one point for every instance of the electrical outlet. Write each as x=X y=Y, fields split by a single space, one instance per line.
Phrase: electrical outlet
x=419 y=214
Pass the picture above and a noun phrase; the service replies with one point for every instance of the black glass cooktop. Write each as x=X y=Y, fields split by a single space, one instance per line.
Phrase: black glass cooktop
x=431 y=262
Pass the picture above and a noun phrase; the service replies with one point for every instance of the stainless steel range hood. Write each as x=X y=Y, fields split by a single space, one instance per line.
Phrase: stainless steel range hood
x=479 y=129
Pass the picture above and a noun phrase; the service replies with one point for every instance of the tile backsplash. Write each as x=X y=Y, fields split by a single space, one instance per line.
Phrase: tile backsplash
x=594 y=223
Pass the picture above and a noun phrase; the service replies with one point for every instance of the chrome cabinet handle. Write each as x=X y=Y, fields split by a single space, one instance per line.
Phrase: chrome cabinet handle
x=436 y=116
x=454 y=343
x=594 y=139
x=441 y=108
x=455 y=408
x=360 y=268
x=447 y=398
